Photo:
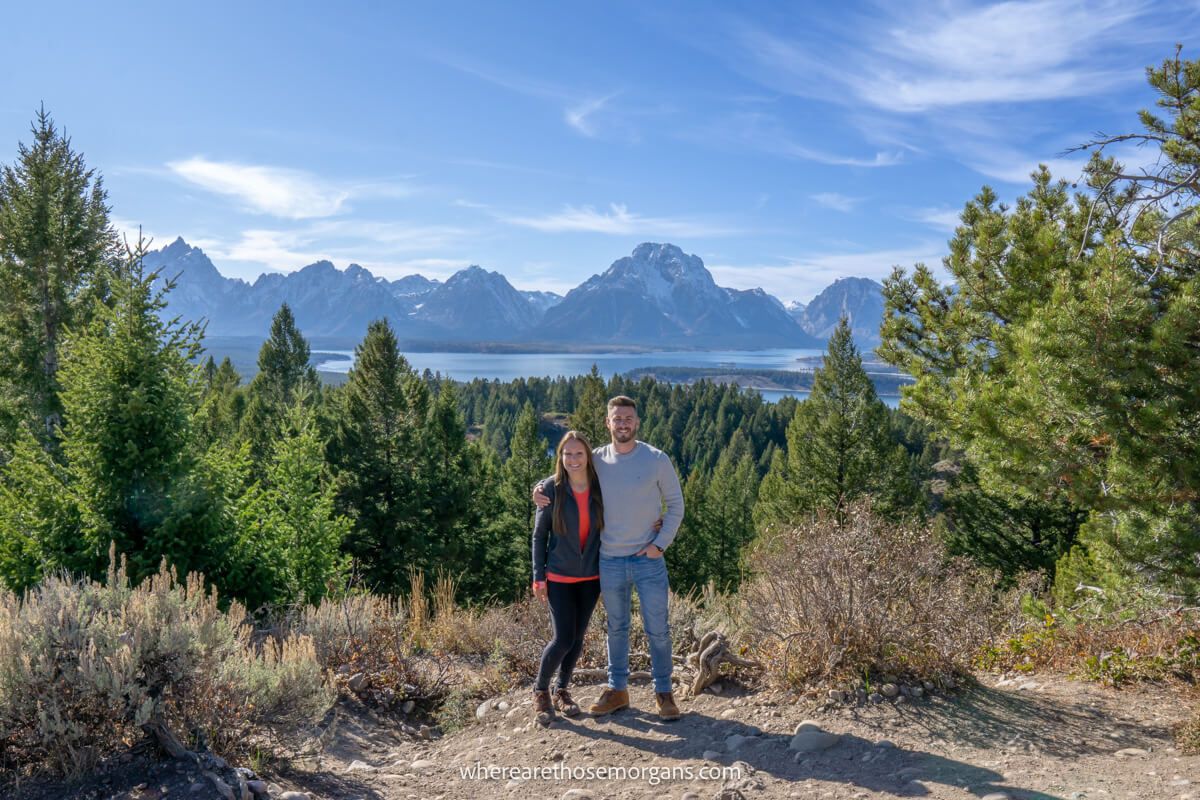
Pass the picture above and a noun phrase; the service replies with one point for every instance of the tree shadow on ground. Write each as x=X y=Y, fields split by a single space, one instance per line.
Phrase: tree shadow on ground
x=985 y=717
x=977 y=716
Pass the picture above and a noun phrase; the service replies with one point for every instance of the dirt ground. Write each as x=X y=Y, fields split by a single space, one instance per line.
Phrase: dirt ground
x=1024 y=738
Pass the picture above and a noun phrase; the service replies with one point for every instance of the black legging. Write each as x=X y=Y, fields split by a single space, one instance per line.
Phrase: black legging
x=571 y=606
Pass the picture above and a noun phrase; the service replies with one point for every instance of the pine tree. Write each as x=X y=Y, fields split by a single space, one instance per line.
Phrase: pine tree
x=222 y=403
x=687 y=558
x=1063 y=360
x=729 y=504
x=284 y=370
x=284 y=373
x=39 y=518
x=290 y=520
x=56 y=251
x=839 y=445
x=527 y=464
x=128 y=398
x=448 y=498
x=591 y=408
x=377 y=458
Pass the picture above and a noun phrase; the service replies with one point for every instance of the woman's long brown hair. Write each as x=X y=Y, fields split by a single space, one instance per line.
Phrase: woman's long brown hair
x=562 y=484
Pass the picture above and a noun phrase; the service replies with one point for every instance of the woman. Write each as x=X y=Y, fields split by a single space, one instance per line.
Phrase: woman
x=566 y=568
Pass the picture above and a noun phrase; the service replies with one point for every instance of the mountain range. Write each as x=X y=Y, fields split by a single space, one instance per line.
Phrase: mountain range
x=656 y=296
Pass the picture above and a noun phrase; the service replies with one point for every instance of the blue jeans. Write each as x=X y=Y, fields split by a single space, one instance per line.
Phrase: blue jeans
x=618 y=577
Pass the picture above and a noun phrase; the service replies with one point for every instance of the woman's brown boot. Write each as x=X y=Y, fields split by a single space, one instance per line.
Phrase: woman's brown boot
x=564 y=703
x=543 y=709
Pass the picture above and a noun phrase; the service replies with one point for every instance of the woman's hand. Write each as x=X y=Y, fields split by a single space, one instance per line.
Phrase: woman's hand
x=539 y=591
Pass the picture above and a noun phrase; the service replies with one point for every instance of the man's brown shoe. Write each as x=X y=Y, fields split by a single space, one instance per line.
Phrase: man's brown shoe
x=665 y=701
x=564 y=703
x=543 y=711
x=610 y=700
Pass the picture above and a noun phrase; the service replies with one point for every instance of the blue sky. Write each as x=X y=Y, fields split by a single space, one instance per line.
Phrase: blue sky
x=786 y=144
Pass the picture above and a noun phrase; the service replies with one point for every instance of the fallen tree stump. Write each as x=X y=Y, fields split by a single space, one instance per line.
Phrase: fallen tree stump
x=712 y=652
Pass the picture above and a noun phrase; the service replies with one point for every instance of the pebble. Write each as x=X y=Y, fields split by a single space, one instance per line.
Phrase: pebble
x=716 y=688
x=421 y=764
x=483 y=708
x=875 y=697
x=358 y=682
x=690 y=796
x=711 y=755
x=836 y=696
x=503 y=705
x=917 y=691
x=995 y=796
x=295 y=796
x=359 y=766
x=408 y=706
x=729 y=713
x=1132 y=751
x=578 y=794
x=735 y=741
x=890 y=690
x=809 y=738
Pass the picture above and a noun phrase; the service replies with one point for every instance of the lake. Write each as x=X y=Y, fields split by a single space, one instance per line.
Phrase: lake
x=510 y=366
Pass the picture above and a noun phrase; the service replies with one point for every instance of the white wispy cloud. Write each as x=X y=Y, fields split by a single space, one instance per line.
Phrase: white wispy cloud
x=276 y=250
x=578 y=116
x=762 y=131
x=802 y=277
x=950 y=55
x=947 y=53
x=280 y=191
x=943 y=219
x=618 y=221
x=385 y=248
x=577 y=106
x=838 y=202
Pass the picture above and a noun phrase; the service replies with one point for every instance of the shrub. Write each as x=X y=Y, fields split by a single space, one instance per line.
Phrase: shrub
x=86 y=667
x=864 y=598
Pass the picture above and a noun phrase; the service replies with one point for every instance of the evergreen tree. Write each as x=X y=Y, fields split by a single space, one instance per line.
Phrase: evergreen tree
x=729 y=504
x=839 y=445
x=128 y=397
x=591 y=408
x=527 y=464
x=222 y=403
x=284 y=373
x=290 y=521
x=449 y=495
x=378 y=461
x=687 y=557
x=39 y=518
x=56 y=250
x=1063 y=362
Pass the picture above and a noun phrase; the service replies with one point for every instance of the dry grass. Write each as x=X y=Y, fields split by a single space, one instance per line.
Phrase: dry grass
x=1111 y=649
x=861 y=600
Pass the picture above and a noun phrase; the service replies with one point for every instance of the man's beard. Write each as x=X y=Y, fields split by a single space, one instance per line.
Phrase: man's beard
x=623 y=436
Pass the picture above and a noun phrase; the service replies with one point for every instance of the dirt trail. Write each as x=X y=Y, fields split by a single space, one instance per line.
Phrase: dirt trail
x=1029 y=738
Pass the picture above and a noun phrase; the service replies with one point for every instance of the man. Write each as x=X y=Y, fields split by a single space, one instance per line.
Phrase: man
x=636 y=481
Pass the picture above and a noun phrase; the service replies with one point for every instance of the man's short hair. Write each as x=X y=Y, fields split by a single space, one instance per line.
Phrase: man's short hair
x=622 y=401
